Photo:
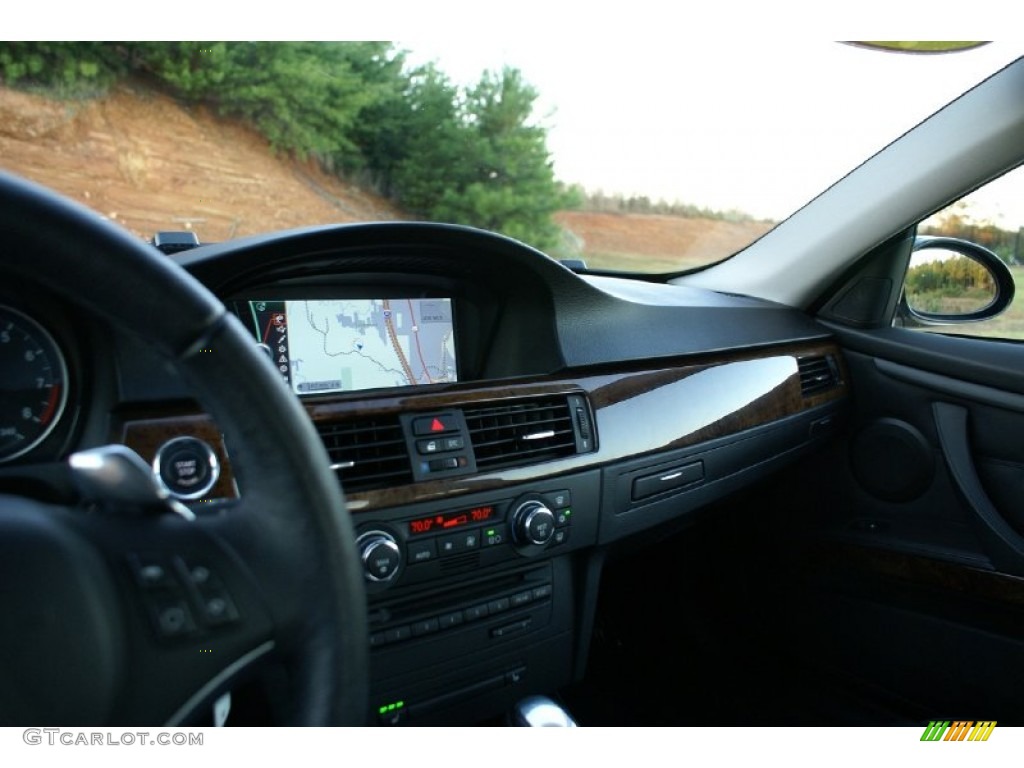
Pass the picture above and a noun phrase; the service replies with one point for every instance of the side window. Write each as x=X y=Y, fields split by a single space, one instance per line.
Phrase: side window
x=963 y=258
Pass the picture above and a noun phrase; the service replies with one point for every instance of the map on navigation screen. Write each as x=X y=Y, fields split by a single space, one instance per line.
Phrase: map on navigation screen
x=339 y=345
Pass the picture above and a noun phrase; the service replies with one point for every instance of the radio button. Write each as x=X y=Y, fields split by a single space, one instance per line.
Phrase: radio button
x=397 y=634
x=449 y=620
x=519 y=599
x=499 y=605
x=476 y=612
x=539 y=593
x=512 y=629
x=425 y=627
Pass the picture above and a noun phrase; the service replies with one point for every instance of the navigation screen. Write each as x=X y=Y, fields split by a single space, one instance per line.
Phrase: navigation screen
x=341 y=345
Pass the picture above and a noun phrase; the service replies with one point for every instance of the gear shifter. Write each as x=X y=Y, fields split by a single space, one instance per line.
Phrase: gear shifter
x=541 y=712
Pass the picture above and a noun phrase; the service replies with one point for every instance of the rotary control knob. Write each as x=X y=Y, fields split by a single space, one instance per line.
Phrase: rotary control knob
x=533 y=523
x=380 y=555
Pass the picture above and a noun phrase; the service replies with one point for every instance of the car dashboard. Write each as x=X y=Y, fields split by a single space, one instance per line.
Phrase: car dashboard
x=492 y=460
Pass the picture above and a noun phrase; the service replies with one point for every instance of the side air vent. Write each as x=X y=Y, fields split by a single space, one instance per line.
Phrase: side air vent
x=515 y=433
x=368 y=453
x=817 y=374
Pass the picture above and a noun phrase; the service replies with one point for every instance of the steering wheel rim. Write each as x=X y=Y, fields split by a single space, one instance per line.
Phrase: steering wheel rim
x=287 y=549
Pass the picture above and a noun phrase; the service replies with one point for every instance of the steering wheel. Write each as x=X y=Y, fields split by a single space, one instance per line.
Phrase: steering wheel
x=107 y=608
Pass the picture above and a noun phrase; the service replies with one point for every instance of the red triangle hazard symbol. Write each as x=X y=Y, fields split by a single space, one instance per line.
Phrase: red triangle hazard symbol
x=437 y=426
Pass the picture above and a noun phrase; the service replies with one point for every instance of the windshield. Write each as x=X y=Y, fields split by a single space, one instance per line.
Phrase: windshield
x=658 y=160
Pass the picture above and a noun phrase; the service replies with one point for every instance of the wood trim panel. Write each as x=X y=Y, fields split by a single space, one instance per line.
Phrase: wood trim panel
x=965 y=581
x=675 y=405
x=146 y=435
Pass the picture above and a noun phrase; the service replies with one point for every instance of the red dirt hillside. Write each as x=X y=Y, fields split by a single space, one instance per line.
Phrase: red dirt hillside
x=152 y=164
x=656 y=243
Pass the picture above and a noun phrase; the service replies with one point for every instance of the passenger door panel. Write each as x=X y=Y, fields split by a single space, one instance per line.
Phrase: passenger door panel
x=905 y=550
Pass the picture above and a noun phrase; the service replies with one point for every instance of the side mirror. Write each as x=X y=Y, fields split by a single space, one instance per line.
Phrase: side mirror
x=953 y=281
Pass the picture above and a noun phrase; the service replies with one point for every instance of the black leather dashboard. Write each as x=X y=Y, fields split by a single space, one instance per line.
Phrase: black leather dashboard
x=588 y=409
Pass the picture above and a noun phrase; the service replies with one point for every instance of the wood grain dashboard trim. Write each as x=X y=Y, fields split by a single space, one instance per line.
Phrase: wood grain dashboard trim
x=637 y=411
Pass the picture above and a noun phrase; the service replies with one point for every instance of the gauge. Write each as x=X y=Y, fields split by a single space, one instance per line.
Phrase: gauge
x=33 y=383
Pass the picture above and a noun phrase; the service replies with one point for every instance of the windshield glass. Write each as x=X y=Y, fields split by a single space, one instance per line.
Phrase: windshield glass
x=657 y=160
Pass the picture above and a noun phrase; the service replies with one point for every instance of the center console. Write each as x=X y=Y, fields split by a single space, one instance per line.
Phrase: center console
x=471 y=604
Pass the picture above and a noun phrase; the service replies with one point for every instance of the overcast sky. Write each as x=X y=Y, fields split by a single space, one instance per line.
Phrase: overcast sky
x=761 y=127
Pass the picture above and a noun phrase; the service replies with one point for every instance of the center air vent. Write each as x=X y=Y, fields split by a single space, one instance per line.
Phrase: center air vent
x=817 y=374
x=367 y=453
x=514 y=433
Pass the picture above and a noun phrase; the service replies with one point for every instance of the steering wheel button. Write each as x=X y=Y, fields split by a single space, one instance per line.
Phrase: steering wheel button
x=218 y=609
x=150 y=572
x=171 y=618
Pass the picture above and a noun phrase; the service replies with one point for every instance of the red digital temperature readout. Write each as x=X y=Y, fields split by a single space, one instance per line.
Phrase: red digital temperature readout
x=448 y=520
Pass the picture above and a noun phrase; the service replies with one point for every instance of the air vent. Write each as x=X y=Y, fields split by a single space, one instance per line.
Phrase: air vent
x=368 y=453
x=520 y=432
x=817 y=374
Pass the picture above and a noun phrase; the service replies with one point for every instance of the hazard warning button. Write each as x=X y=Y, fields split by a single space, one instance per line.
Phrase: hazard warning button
x=434 y=425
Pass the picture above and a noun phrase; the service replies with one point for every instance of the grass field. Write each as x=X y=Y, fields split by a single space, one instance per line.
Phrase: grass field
x=1009 y=325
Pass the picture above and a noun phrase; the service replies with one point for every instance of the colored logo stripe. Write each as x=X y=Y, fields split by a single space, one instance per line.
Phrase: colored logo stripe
x=935 y=730
x=982 y=730
x=959 y=730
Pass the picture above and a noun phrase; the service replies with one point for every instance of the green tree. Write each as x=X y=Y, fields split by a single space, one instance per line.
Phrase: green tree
x=69 y=69
x=475 y=157
x=428 y=144
x=472 y=156
x=304 y=97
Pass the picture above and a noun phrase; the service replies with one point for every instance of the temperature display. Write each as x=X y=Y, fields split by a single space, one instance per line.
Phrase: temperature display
x=448 y=520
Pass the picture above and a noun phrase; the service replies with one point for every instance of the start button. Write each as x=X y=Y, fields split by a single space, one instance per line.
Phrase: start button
x=187 y=467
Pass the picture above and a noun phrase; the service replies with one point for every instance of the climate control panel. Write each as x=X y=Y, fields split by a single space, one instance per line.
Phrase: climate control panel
x=431 y=541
